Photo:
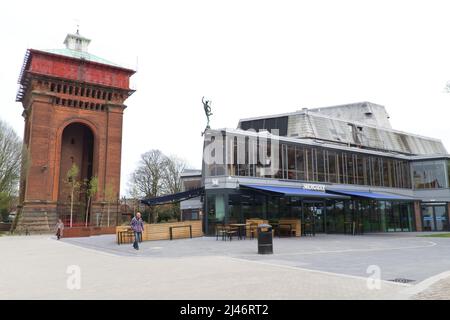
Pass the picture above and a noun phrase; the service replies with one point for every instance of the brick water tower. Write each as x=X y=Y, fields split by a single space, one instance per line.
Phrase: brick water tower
x=73 y=105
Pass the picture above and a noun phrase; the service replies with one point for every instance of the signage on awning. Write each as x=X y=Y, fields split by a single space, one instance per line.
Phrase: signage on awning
x=314 y=187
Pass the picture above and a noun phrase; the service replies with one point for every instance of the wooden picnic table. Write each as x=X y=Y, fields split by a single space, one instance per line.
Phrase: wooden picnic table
x=240 y=227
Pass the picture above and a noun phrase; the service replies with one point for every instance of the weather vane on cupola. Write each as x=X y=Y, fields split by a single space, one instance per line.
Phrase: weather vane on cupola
x=77 y=23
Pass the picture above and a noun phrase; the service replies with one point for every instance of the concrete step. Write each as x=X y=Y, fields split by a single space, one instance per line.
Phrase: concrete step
x=34 y=230
x=36 y=222
x=37 y=214
x=26 y=218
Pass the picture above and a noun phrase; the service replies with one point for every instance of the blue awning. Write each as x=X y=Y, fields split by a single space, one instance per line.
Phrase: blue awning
x=373 y=195
x=291 y=191
x=175 y=197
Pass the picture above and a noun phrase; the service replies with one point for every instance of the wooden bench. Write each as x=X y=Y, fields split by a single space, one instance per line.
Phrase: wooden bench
x=295 y=224
x=184 y=226
x=284 y=226
x=255 y=222
x=127 y=234
x=164 y=231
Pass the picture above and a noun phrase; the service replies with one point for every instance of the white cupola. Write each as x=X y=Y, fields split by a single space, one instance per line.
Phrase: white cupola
x=76 y=42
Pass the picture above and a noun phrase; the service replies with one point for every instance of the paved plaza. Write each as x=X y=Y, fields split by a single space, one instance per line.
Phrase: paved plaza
x=321 y=267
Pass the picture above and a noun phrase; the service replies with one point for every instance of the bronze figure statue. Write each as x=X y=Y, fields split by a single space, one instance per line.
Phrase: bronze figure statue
x=208 y=113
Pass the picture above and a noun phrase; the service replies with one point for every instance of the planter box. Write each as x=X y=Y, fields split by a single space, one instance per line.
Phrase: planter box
x=87 y=231
x=5 y=226
x=95 y=231
x=76 y=232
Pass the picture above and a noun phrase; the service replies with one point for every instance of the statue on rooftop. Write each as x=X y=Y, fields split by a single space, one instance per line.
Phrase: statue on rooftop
x=208 y=113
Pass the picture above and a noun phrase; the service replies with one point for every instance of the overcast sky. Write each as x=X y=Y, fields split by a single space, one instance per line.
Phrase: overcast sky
x=250 y=58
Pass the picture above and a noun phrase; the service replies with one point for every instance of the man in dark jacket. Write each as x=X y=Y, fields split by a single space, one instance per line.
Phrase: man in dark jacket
x=137 y=225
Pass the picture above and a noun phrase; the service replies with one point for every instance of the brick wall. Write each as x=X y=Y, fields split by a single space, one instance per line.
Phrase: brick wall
x=50 y=108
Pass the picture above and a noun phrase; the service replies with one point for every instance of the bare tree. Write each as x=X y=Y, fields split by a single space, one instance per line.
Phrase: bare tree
x=134 y=194
x=92 y=189
x=156 y=175
x=11 y=154
x=173 y=168
x=10 y=159
x=110 y=197
x=74 y=185
x=147 y=178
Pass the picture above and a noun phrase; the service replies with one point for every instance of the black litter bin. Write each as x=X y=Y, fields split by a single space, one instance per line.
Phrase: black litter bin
x=265 y=239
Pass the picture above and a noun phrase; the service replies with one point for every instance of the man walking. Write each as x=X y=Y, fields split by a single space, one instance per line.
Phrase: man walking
x=137 y=225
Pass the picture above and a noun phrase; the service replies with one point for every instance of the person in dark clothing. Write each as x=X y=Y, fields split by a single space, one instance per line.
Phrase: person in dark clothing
x=137 y=225
x=59 y=229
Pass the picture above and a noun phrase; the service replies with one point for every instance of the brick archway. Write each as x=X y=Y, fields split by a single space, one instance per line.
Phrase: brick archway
x=58 y=150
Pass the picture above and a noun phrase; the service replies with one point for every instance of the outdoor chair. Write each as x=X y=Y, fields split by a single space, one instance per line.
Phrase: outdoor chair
x=284 y=230
x=359 y=228
x=308 y=229
x=252 y=230
x=220 y=232
x=125 y=236
x=230 y=232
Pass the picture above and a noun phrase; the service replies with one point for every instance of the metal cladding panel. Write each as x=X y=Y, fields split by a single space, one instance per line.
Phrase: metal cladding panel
x=397 y=143
x=307 y=125
x=300 y=126
x=421 y=146
x=370 y=138
x=388 y=139
x=322 y=128
x=364 y=112
x=338 y=124
x=342 y=132
x=328 y=129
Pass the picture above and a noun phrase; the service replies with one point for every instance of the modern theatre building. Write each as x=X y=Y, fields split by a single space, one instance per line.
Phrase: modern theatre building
x=333 y=167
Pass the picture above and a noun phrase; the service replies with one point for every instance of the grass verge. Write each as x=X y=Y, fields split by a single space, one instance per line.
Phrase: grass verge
x=438 y=235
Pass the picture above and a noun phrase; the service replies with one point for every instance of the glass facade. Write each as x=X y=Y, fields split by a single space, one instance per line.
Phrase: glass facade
x=215 y=210
x=435 y=217
x=448 y=173
x=430 y=174
x=280 y=123
x=256 y=156
x=328 y=216
x=311 y=164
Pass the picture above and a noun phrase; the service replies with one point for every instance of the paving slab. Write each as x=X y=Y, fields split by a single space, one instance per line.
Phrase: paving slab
x=321 y=267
